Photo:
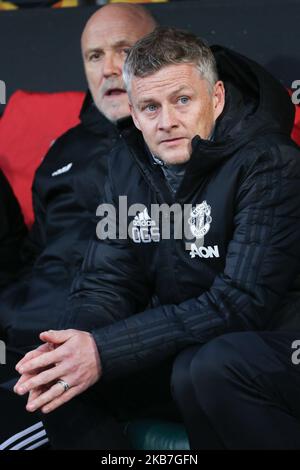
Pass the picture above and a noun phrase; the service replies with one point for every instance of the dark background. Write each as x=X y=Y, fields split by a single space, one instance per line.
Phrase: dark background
x=40 y=48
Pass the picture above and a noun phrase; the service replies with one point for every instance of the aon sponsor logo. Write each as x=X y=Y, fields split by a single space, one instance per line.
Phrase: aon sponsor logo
x=204 y=251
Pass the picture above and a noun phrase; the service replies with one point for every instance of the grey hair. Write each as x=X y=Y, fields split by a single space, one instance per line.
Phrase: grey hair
x=167 y=46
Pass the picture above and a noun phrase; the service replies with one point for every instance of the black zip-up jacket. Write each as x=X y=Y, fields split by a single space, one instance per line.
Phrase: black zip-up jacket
x=67 y=189
x=12 y=233
x=239 y=274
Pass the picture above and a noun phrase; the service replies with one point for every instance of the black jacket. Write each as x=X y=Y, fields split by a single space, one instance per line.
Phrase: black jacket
x=67 y=189
x=12 y=233
x=241 y=274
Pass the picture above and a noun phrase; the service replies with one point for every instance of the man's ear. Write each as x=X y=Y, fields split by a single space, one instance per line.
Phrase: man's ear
x=218 y=98
x=134 y=117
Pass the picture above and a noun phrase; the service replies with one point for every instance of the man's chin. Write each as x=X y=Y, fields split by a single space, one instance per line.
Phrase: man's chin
x=114 y=113
x=175 y=158
x=114 y=117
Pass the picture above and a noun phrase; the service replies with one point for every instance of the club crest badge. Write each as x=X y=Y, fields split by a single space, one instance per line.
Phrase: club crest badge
x=199 y=222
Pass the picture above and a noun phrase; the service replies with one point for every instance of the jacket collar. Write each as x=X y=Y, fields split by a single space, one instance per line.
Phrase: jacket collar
x=206 y=156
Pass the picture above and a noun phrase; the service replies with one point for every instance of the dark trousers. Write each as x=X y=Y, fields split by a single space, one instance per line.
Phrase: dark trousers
x=19 y=430
x=240 y=391
x=95 y=419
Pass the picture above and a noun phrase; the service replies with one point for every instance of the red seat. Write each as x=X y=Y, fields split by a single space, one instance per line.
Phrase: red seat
x=29 y=125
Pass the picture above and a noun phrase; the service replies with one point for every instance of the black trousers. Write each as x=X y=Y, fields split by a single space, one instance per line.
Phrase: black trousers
x=95 y=419
x=238 y=391
x=19 y=430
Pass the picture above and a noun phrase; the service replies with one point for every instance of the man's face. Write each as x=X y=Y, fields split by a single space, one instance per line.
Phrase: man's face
x=104 y=46
x=173 y=105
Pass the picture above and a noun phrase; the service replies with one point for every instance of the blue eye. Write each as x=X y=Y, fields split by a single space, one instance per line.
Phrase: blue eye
x=151 y=108
x=184 y=99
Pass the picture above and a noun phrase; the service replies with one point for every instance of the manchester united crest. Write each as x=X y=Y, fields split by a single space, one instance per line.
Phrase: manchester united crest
x=200 y=220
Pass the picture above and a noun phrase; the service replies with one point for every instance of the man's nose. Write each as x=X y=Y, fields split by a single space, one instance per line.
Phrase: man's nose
x=167 y=119
x=111 y=65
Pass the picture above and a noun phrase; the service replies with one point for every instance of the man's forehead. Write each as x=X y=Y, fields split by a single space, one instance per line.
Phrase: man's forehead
x=110 y=36
x=103 y=45
x=170 y=80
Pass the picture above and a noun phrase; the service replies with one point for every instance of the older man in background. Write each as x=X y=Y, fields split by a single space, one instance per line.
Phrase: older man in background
x=68 y=187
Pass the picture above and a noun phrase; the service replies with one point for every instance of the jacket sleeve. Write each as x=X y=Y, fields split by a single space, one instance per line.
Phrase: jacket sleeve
x=262 y=261
x=111 y=284
x=35 y=241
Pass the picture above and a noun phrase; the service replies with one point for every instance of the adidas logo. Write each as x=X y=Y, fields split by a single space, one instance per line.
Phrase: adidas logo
x=144 y=229
x=64 y=169
x=143 y=219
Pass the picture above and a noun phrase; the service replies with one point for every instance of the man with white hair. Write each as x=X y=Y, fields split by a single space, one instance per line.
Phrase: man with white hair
x=67 y=189
x=68 y=185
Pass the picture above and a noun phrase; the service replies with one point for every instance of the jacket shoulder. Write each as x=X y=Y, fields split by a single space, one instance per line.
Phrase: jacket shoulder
x=120 y=158
x=71 y=144
x=273 y=152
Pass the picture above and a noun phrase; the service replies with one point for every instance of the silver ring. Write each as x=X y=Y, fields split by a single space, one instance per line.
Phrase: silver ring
x=64 y=384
